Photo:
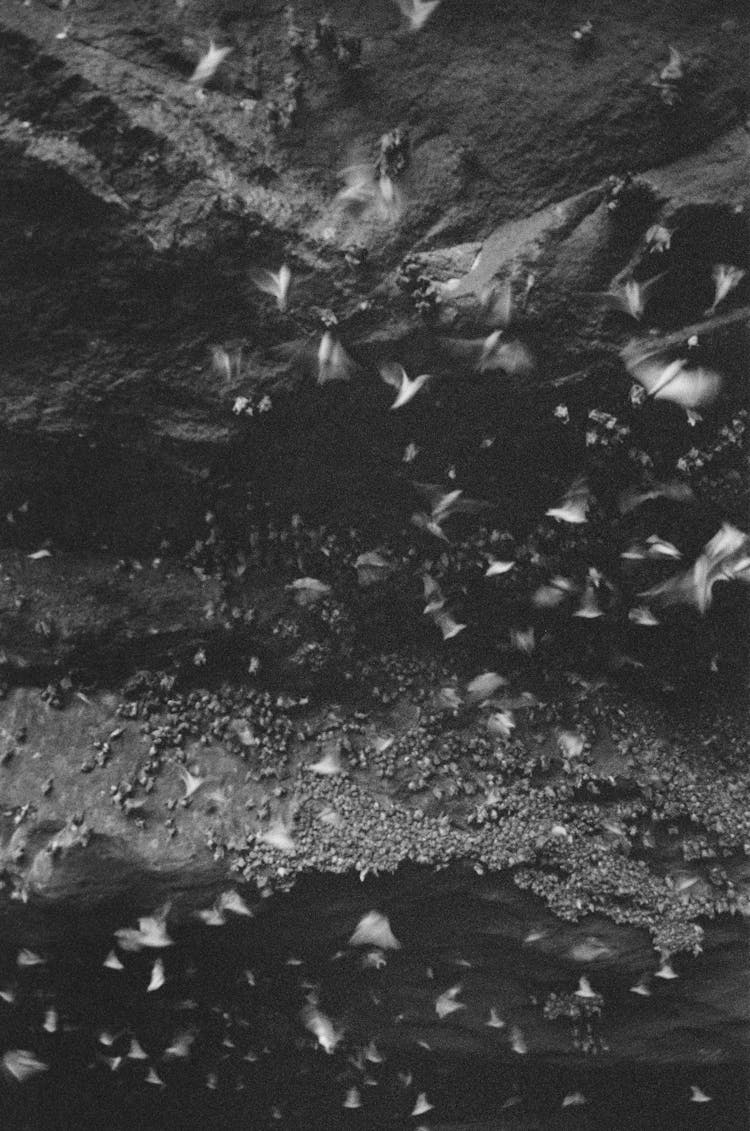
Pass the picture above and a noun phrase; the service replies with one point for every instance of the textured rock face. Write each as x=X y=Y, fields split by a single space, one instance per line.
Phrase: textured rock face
x=134 y=204
x=177 y=718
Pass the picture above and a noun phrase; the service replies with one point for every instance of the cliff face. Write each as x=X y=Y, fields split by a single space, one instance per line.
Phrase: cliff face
x=134 y=205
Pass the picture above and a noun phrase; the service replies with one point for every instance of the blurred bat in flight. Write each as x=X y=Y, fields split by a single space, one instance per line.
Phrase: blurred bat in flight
x=726 y=557
x=676 y=381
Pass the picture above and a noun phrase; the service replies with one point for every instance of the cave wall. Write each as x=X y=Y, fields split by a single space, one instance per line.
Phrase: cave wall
x=134 y=204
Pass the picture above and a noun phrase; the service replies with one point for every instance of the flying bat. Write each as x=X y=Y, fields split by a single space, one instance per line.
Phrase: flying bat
x=373 y=929
x=274 y=283
x=21 y=1064
x=491 y=354
x=630 y=299
x=496 y=567
x=324 y=362
x=308 y=590
x=322 y=1028
x=643 y=616
x=371 y=192
x=372 y=568
x=659 y=239
x=151 y=932
x=396 y=376
x=443 y=504
x=446 y=503
x=511 y=357
x=334 y=363
x=726 y=277
x=574 y=504
x=497 y=304
x=446 y=1003
x=675 y=68
x=674 y=491
x=483 y=686
x=674 y=381
x=417 y=12
x=448 y=625
x=589 y=608
x=209 y=63
x=433 y=595
x=552 y=594
x=726 y=557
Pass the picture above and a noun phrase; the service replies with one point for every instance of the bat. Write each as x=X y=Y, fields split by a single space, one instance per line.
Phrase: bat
x=274 y=283
x=371 y=192
x=674 y=381
x=417 y=12
x=726 y=278
x=630 y=299
x=573 y=507
x=209 y=63
x=396 y=376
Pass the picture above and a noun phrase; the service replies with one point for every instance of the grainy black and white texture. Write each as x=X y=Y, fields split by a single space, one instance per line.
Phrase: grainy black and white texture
x=218 y=537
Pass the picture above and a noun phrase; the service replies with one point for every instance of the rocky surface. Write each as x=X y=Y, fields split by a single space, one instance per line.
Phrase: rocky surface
x=134 y=204
x=215 y=670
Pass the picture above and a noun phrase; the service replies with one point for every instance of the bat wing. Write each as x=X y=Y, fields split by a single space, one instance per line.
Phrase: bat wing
x=497 y=304
x=631 y=498
x=388 y=199
x=359 y=185
x=689 y=388
x=727 y=541
x=470 y=506
x=339 y=366
x=431 y=588
x=393 y=374
x=677 y=590
x=265 y=280
x=209 y=63
x=410 y=389
x=675 y=492
x=672 y=380
x=654 y=373
x=514 y=359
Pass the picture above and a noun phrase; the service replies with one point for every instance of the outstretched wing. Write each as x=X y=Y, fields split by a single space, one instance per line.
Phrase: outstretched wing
x=674 y=381
x=393 y=374
x=512 y=358
x=497 y=304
